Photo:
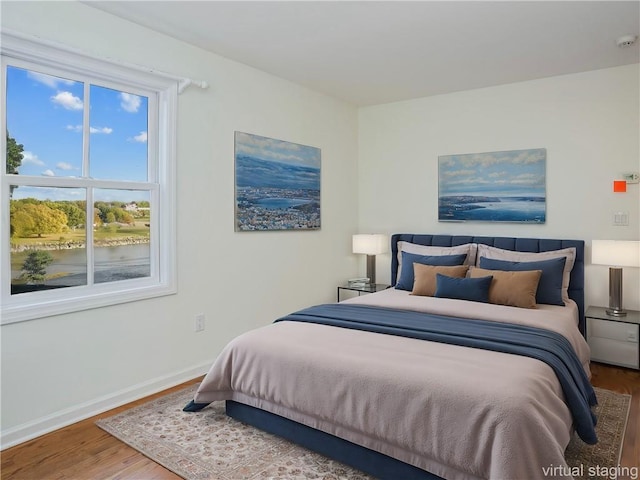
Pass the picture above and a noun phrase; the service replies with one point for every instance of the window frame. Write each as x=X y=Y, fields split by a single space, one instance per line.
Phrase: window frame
x=162 y=92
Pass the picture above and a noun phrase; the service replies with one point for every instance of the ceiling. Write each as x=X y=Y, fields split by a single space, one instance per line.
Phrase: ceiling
x=384 y=51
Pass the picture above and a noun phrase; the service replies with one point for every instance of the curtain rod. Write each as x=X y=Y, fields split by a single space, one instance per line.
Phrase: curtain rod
x=183 y=82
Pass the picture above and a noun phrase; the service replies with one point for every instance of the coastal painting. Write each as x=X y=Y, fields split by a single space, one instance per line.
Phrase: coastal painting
x=277 y=184
x=507 y=186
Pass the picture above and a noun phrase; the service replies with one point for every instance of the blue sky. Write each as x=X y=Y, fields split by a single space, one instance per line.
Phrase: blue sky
x=44 y=114
x=509 y=173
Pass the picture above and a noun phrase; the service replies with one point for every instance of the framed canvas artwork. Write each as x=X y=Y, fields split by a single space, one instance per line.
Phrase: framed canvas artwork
x=505 y=186
x=277 y=184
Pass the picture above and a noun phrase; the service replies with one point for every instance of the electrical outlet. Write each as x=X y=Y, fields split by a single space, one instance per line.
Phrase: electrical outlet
x=199 y=326
x=631 y=177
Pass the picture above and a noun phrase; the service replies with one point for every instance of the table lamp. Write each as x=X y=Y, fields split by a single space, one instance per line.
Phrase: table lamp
x=616 y=254
x=371 y=245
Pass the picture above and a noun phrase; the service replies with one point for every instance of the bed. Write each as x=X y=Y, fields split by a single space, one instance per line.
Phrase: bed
x=368 y=383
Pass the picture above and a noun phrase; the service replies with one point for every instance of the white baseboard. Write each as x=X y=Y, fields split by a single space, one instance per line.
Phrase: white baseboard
x=35 y=428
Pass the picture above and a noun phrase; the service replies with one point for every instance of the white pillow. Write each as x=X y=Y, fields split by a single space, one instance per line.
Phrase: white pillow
x=468 y=248
x=511 y=256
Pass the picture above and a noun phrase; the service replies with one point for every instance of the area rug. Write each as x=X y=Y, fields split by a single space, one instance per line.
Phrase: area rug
x=209 y=445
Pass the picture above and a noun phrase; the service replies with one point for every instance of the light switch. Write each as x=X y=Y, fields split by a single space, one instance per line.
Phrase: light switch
x=621 y=219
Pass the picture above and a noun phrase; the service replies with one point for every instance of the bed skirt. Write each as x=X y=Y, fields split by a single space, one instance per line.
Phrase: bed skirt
x=369 y=461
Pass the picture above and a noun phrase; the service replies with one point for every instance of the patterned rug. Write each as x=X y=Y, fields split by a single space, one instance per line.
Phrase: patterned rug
x=209 y=445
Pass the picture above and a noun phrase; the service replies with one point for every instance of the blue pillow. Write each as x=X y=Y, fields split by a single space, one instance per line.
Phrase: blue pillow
x=405 y=282
x=473 y=289
x=550 y=285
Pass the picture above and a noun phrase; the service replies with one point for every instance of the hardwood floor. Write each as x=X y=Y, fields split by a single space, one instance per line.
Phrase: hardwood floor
x=83 y=451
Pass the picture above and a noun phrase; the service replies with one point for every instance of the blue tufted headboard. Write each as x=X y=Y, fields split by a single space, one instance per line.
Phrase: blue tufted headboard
x=576 y=284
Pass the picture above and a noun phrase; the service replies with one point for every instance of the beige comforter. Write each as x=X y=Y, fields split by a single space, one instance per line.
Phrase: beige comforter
x=458 y=412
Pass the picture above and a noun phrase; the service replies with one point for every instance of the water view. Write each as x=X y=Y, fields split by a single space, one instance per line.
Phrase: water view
x=501 y=209
x=281 y=203
x=69 y=266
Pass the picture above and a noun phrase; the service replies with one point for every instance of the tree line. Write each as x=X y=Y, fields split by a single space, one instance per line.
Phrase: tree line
x=30 y=216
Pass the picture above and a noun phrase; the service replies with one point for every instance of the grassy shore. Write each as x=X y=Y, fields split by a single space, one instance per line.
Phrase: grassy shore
x=104 y=233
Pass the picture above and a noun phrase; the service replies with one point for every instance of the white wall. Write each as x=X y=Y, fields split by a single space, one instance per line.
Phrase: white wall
x=588 y=122
x=57 y=368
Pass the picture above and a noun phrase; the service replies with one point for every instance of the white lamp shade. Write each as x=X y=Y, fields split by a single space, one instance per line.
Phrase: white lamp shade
x=370 y=244
x=616 y=253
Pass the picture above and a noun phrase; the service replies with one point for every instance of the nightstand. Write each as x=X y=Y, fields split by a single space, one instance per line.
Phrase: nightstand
x=614 y=340
x=366 y=289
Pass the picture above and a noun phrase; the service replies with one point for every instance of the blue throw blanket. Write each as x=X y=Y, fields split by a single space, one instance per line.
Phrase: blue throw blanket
x=549 y=347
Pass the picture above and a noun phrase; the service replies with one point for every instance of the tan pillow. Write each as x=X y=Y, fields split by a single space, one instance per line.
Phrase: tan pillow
x=424 y=283
x=517 y=289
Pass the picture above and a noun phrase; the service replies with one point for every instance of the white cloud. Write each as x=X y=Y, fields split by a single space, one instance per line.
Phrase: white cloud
x=486 y=160
x=529 y=156
x=469 y=181
x=141 y=138
x=49 y=193
x=446 y=162
x=459 y=173
x=483 y=160
x=67 y=100
x=30 y=157
x=78 y=129
x=48 y=173
x=105 y=130
x=528 y=179
x=129 y=102
x=64 y=166
x=48 y=80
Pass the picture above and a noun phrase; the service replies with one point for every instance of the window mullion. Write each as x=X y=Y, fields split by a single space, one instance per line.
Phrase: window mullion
x=5 y=241
x=86 y=134
x=86 y=130
x=89 y=237
x=3 y=119
x=156 y=262
x=152 y=132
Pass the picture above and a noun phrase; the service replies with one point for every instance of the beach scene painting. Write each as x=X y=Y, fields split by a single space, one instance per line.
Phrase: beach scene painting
x=277 y=184
x=507 y=186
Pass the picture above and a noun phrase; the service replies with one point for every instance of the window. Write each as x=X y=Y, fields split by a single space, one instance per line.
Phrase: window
x=87 y=183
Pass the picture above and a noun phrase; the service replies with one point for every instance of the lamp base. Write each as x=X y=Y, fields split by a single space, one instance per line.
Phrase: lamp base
x=615 y=293
x=371 y=269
